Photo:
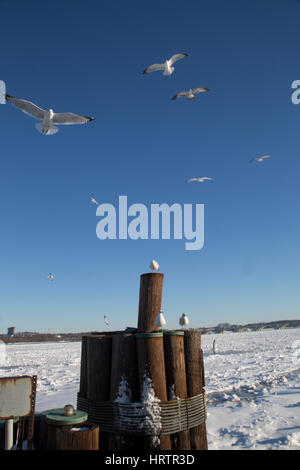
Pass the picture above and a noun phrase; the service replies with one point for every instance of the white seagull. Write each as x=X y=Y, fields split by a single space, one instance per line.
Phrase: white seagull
x=191 y=94
x=48 y=118
x=183 y=320
x=200 y=179
x=50 y=276
x=105 y=320
x=259 y=159
x=154 y=266
x=93 y=200
x=166 y=66
x=160 y=319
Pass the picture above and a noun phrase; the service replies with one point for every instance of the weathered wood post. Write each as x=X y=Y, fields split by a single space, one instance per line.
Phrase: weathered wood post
x=61 y=431
x=76 y=438
x=98 y=375
x=195 y=382
x=152 y=378
x=124 y=385
x=176 y=380
x=83 y=368
x=150 y=348
x=149 y=300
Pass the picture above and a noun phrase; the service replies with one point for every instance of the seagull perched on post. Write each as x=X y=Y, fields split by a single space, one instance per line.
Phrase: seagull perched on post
x=93 y=200
x=166 y=66
x=191 y=94
x=160 y=319
x=50 y=276
x=48 y=118
x=259 y=159
x=154 y=266
x=183 y=320
x=200 y=179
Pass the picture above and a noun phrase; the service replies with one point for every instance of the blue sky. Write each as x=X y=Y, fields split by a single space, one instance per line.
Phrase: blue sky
x=87 y=57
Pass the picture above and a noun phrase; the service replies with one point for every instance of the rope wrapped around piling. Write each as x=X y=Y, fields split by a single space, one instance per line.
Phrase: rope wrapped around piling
x=154 y=418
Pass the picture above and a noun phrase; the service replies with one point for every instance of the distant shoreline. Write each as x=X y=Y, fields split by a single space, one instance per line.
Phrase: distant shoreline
x=32 y=337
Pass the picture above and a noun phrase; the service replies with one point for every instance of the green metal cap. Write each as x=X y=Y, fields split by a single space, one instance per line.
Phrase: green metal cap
x=58 y=417
x=154 y=334
x=42 y=413
x=174 y=333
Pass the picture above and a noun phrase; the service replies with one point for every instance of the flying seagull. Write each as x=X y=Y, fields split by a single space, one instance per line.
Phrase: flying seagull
x=93 y=200
x=183 y=320
x=48 y=118
x=200 y=179
x=191 y=94
x=166 y=66
x=105 y=320
x=154 y=266
x=50 y=276
x=259 y=159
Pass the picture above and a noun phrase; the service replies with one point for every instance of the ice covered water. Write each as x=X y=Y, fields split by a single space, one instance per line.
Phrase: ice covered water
x=252 y=384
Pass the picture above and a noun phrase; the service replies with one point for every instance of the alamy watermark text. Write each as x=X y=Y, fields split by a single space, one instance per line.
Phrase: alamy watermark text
x=115 y=223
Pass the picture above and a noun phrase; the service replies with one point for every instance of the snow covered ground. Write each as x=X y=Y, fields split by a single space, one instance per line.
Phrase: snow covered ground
x=253 y=390
x=252 y=384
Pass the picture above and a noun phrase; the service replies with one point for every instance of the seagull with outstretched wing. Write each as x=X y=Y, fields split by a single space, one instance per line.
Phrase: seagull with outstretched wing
x=48 y=118
x=200 y=179
x=93 y=200
x=191 y=94
x=259 y=159
x=166 y=66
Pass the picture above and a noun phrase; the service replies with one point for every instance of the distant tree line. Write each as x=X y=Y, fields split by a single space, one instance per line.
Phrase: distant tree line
x=40 y=337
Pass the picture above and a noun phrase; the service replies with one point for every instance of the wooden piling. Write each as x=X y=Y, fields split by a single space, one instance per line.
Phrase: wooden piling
x=83 y=368
x=124 y=373
x=76 y=438
x=195 y=381
x=149 y=300
x=98 y=374
x=176 y=380
x=151 y=365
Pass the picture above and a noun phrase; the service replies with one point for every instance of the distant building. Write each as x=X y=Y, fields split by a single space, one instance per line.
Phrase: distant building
x=223 y=325
x=11 y=331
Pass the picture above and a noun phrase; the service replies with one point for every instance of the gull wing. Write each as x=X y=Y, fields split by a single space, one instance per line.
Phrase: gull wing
x=181 y=93
x=70 y=118
x=200 y=89
x=27 y=107
x=192 y=179
x=266 y=156
x=154 y=67
x=176 y=57
x=206 y=178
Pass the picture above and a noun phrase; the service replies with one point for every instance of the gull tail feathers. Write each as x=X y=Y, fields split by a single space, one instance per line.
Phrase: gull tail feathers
x=48 y=131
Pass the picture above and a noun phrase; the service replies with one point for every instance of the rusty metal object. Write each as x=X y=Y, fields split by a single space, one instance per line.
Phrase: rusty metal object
x=17 y=400
x=15 y=397
x=31 y=416
x=68 y=410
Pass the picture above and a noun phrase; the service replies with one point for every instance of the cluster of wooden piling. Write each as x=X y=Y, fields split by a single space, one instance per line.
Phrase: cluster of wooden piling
x=171 y=360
